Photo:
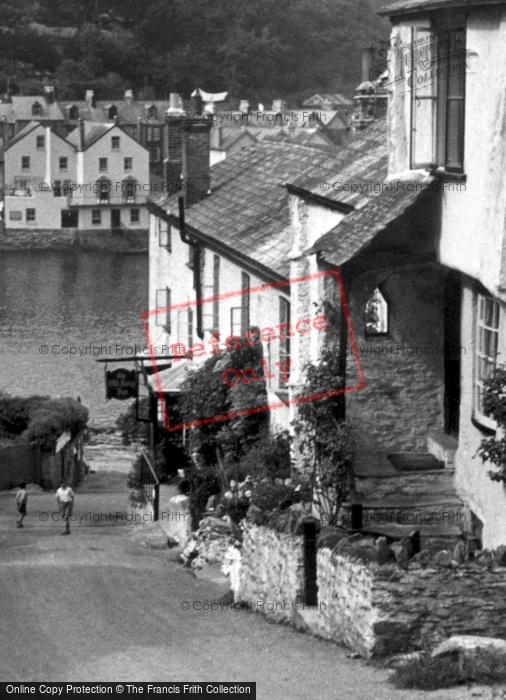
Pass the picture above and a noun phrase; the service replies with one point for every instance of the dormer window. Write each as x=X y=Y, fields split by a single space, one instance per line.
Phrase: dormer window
x=36 y=109
x=112 y=112
x=376 y=315
x=73 y=112
x=152 y=112
x=437 y=80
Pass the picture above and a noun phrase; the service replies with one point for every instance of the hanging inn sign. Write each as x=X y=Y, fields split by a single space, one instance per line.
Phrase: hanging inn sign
x=121 y=384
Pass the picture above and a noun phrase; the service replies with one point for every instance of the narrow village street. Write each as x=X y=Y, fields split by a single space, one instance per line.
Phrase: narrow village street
x=103 y=605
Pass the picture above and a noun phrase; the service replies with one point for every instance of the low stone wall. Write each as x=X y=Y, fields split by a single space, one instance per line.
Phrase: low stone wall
x=384 y=609
x=371 y=596
x=271 y=575
x=130 y=241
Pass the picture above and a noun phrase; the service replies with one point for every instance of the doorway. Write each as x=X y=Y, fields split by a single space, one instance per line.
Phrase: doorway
x=69 y=218
x=452 y=319
x=115 y=218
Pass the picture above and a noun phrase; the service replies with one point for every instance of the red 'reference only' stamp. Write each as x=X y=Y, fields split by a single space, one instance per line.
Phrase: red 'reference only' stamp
x=218 y=343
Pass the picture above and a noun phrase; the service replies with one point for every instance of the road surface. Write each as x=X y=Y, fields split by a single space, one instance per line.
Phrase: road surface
x=100 y=605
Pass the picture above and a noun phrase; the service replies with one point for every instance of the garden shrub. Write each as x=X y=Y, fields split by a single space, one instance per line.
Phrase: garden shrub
x=493 y=449
x=41 y=419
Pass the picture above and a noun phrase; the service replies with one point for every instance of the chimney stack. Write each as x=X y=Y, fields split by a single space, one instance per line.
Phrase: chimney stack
x=173 y=142
x=129 y=96
x=81 y=134
x=371 y=99
x=196 y=159
x=49 y=95
x=244 y=106
x=187 y=147
x=90 y=98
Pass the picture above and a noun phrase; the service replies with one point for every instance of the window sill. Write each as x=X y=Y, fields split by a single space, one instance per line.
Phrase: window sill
x=443 y=174
x=484 y=424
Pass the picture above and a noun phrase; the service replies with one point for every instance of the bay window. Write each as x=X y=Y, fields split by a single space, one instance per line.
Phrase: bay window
x=437 y=82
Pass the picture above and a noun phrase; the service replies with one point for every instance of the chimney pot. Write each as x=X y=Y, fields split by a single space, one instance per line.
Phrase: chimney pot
x=129 y=96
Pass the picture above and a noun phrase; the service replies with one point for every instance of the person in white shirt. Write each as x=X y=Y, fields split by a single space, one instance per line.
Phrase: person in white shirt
x=65 y=498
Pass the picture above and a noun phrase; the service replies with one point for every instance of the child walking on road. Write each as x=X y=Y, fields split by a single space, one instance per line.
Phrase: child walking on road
x=21 y=501
x=65 y=498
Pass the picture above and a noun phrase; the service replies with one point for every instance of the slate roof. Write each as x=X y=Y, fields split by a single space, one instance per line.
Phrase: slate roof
x=248 y=206
x=361 y=164
x=22 y=108
x=92 y=133
x=334 y=98
x=24 y=132
x=129 y=112
x=404 y=7
x=6 y=111
x=358 y=229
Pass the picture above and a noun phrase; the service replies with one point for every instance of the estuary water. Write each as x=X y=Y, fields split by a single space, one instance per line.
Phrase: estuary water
x=62 y=310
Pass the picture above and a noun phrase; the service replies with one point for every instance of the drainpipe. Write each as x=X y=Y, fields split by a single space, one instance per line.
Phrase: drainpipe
x=197 y=282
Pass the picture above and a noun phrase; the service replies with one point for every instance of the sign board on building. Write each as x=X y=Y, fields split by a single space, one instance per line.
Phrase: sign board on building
x=121 y=384
x=62 y=441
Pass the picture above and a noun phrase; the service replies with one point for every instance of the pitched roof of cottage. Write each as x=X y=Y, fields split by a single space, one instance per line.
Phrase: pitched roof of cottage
x=92 y=133
x=22 y=108
x=24 y=132
x=334 y=98
x=351 y=178
x=357 y=230
x=248 y=209
x=404 y=7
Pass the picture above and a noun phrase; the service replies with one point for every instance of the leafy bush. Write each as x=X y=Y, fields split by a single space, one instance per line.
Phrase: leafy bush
x=217 y=448
x=325 y=440
x=493 y=449
x=269 y=457
x=40 y=419
x=426 y=673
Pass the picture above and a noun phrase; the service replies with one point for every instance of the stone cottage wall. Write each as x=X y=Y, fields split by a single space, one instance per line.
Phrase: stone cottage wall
x=271 y=577
x=404 y=371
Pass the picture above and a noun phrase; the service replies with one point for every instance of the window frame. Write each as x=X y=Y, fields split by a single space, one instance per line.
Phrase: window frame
x=65 y=160
x=166 y=324
x=103 y=164
x=96 y=217
x=480 y=357
x=245 y=301
x=115 y=143
x=25 y=163
x=136 y=220
x=284 y=343
x=381 y=334
x=40 y=142
x=29 y=216
x=442 y=130
x=128 y=164
x=57 y=188
x=167 y=233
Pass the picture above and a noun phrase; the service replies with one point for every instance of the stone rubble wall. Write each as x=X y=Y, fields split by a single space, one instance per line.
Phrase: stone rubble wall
x=271 y=577
x=379 y=610
x=371 y=596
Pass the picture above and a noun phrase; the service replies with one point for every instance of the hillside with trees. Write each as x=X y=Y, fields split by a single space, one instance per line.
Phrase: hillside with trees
x=257 y=50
